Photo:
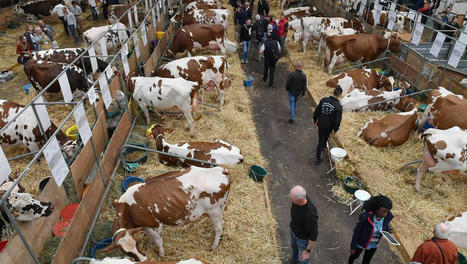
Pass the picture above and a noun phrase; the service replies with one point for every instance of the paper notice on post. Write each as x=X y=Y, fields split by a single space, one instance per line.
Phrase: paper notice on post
x=105 y=91
x=437 y=44
x=456 y=54
x=463 y=38
x=109 y=71
x=355 y=4
x=125 y=49
x=392 y=19
x=158 y=9
x=146 y=5
x=103 y=44
x=130 y=20
x=136 y=43
x=164 y=8
x=153 y=13
x=42 y=113
x=135 y=10
x=92 y=55
x=150 y=3
x=57 y=164
x=378 y=9
x=362 y=7
x=417 y=33
x=393 y=6
x=92 y=95
x=412 y=14
x=83 y=124
x=126 y=66
x=65 y=87
x=145 y=36
x=5 y=167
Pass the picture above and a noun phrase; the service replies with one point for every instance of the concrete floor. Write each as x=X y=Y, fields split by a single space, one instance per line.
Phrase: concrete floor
x=290 y=150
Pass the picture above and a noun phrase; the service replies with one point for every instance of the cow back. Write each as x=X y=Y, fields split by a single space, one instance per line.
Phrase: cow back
x=449 y=111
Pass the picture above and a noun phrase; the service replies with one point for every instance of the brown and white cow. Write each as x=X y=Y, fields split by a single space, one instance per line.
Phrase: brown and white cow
x=301 y=11
x=358 y=100
x=164 y=94
x=41 y=73
x=36 y=8
x=116 y=11
x=109 y=260
x=219 y=152
x=392 y=130
x=25 y=129
x=445 y=110
x=204 y=16
x=68 y=55
x=210 y=2
x=332 y=32
x=445 y=152
x=114 y=34
x=202 y=5
x=401 y=19
x=458 y=230
x=359 y=47
x=207 y=71
x=174 y=198
x=363 y=79
x=200 y=36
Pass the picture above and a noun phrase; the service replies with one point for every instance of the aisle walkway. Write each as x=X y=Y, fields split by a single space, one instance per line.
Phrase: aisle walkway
x=290 y=148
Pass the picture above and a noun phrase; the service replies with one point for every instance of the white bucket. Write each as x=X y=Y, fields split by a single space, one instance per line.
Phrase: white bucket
x=338 y=154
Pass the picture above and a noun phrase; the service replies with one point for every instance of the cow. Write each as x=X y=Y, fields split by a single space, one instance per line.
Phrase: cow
x=207 y=71
x=458 y=230
x=202 y=5
x=445 y=151
x=109 y=260
x=41 y=73
x=174 y=198
x=114 y=34
x=302 y=11
x=358 y=47
x=444 y=110
x=392 y=130
x=401 y=19
x=116 y=11
x=358 y=100
x=164 y=94
x=36 y=8
x=209 y=2
x=219 y=152
x=204 y=16
x=333 y=32
x=25 y=129
x=310 y=28
x=67 y=56
x=363 y=79
x=200 y=36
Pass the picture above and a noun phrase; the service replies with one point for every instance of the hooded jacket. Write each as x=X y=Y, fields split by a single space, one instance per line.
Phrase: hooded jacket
x=364 y=230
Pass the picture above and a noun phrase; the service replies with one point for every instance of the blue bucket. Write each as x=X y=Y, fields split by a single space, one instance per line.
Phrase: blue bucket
x=100 y=245
x=129 y=180
x=426 y=126
x=249 y=82
x=26 y=88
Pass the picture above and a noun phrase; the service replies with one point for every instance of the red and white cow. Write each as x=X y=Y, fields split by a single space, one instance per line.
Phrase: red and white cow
x=445 y=152
x=458 y=230
x=310 y=28
x=201 y=5
x=200 y=36
x=358 y=100
x=301 y=11
x=204 y=16
x=25 y=129
x=114 y=34
x=127 y=261
x=392 y=130
x=333 y=32
x=219 y=152
x=363 y=79
x=164 y=94
x=401 y=19
x=207 y=71
x=445 y=110
x=210 y=2
x=174 y=198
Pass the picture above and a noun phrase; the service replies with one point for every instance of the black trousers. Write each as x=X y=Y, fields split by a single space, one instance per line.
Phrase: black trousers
x=65 y=25
x=367 y=256
x=323 y=134
x=104 y=10
x=269 y=69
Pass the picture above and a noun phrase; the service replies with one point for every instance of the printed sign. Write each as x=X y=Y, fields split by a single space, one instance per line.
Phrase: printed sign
x=355 y=4
x=145 y=36
x=105 y=91
x=109 y=71
x=146 y=5
x=130 y=20
x=6 y=169
x=417 y=33
x=362 y=6
x=463 y=38
x=393 y=6
x=57 y=164
x=135 y=10
x=437 y=44
x=103 y=43
x=456 y=54
x=136 y=43
x=126 y=67
x=153 y=12
x=92 y=95
x=125 y=49
x=42 y=113
x=158 y=9
x=378 y=9
x=392 y=19
x=65 y=87
x=412 y=14
x=83 y=124
x=92 y=55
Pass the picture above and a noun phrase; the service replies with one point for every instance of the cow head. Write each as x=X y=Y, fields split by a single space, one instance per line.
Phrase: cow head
x=131 y=83
x=407 y=104
x=17 y=10
x=387 y=83
x=394 y=44
x=357 y=25
x=25 y=208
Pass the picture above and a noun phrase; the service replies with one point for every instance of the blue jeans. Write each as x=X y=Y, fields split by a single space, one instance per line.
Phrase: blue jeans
x=94 y=13
x=298 y=246
x=282 y=43
x=293 y=104
x=246 y=47
x=73 y=33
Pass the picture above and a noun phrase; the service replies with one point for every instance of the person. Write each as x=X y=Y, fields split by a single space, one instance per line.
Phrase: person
x=93 y=6
x=427 y=10
x=444 y=17
x=327 y=117
x=23 y=49
x=449 y=14
x=275 y=28
x=418 y=4
x=76 y=10
x=242 y=16
x=263 y=7
x=449 y=30
x=71 y=21
x=270 y=49
x=29 y=36
x=259 y=33
x=367 y=233
x=38 y=36
x=104 y=8
x=295 y=87
x=282 y=28
x=245 y=38
x=58 y=9
x=48 y=31
x=303 y=225
x=82 y=4
x=438 y=249
x=248 y=10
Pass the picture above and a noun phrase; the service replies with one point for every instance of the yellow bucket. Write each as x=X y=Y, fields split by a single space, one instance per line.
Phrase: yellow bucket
x=378 y=70
x=159 y=34
x=72 y=132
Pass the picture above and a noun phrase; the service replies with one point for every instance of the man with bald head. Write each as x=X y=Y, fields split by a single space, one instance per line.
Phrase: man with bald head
x=295 y=87
x=438 y=250
x=303 y=225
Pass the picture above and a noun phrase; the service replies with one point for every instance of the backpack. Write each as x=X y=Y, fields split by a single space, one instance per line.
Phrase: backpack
x=275 y=54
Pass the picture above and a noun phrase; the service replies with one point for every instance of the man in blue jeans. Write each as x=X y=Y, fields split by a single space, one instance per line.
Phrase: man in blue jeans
x=295 y=86
x=245 y=38
x=303 y=225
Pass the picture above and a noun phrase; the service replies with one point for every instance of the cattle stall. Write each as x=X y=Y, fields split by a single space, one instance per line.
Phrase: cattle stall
x=92 y=164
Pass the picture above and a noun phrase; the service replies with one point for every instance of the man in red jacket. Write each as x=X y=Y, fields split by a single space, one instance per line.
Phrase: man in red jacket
x=23 y=49
x=283 y=26
x=438 y=249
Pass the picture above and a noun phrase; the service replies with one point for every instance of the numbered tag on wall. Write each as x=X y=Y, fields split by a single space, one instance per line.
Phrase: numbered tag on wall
x=146 y=5
x=130 y=20
x=126 y=67
x=136 y=43
x=105 y=91
x=42 y=113
x=109 y=71
x=417 y=34
x=393 y=6
x=456 y=54
x=57 y=164
x=6 y=169
x=92 y=55
x=392 y=19
x=412 y=14
x=65 y=87
x=92 y=96
x=135 y=10
x=83 y=124
x=153 y=13
x=145 y=36
x=378 y=8
x=362 y=7
x=103 y=46
x=437 y=44
x=158 y=9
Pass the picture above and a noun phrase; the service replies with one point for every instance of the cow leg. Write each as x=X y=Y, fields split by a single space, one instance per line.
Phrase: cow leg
x=420 y=173
x=220 y=93
x=146 y=114
x=155 y=238
x=216 y=216
x=188 y=111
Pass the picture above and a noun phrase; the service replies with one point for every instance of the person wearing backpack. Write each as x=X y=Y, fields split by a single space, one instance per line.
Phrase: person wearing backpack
x=258 y=30
x=271 y=51
x=438 y=249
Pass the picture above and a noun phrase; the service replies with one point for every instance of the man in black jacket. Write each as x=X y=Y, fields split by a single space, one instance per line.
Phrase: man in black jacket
x=327 y=116
x=259 y=30
x=271 y=51
x=245 y=37
x=303 y=225
x=263 y=7
x=295 y=87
